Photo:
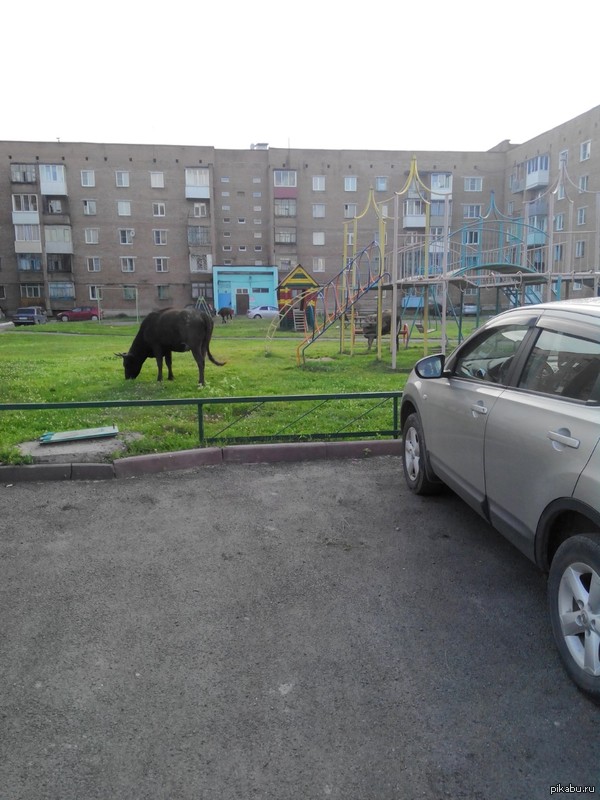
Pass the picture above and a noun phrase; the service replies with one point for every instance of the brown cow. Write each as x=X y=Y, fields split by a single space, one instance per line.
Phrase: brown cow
x=370 y=327
x=225 y=313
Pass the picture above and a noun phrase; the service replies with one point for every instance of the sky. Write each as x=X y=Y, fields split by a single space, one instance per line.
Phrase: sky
x=434 y=75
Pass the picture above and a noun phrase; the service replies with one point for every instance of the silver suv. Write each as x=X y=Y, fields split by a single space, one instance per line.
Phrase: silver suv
x=511 y=422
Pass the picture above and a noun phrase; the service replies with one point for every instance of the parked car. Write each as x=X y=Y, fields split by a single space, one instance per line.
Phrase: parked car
x=511 y=422
x=29 y=315
x=258 y=312
x=79 y=313
x=469 y=309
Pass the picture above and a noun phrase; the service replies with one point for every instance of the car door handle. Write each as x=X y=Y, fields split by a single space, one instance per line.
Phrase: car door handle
x=563 y=436
x=479 y=408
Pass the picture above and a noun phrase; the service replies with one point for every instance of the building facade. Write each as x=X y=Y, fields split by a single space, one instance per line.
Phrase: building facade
x=143 y=226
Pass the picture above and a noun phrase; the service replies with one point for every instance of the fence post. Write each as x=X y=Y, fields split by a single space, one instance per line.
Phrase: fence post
x=201 y=423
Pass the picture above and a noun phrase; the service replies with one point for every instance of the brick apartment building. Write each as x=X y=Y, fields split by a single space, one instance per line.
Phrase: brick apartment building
x=138 y=227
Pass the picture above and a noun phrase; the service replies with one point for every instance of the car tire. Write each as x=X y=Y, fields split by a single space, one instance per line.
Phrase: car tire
x=574 y=600
x=418 y=474
x=94 y=318
x=64 y=318
x=257 y=316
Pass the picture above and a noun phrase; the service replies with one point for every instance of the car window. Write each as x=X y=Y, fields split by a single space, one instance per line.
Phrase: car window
x=564 y=365
x=489 y=356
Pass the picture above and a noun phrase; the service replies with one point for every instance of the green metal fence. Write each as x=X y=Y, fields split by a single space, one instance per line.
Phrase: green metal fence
x=227 y=433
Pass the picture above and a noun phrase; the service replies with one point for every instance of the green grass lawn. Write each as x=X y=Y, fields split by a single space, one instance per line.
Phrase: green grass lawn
x=66 y=362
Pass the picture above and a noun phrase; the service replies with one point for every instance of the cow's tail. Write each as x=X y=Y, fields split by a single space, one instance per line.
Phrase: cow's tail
x=213 y=359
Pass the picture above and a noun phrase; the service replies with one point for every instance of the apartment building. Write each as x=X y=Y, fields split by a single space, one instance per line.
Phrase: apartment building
x=142 y=226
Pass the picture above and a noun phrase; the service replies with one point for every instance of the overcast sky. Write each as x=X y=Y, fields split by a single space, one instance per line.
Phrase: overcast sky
x=434 y=75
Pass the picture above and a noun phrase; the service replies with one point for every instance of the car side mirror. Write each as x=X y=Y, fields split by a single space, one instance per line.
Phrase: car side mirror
x=431 y=366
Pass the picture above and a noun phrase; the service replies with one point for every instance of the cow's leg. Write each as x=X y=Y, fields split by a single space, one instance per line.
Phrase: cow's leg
x=159 y=363
x=200 y=359
x=168 y=362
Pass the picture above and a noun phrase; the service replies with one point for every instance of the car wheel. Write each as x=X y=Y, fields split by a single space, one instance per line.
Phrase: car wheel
x=417 y=472
x=94 y=318
x=574 y=598
x=64 y=318
x=257 y=316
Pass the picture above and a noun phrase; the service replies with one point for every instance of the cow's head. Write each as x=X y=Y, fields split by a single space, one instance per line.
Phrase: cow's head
x=131 y=364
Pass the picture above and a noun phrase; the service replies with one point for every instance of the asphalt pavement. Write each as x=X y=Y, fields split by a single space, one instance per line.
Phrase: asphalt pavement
x=283 y=631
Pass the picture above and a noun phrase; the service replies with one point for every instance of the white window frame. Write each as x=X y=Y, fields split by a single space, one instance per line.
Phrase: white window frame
x=92 y=235
x=585 y=150
x=473 y=184
x=159 y=209
x=350 y=183
x=157 y=180
x=318 y=183
x=123 y=208
x=159 y=236
x=318 y=238
x=94 y=264
x=126 y=236
x=122 y=178
x=88 y=178
x=89 y=208
x=127 y=263
x=581 y=215
x=161 y=263
x=318 y=210
x=285 y=178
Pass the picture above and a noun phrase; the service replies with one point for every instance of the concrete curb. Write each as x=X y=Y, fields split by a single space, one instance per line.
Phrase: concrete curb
x=151 y=464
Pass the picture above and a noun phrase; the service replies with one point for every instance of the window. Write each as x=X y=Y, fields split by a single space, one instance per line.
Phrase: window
x=159 y=236
x=52 y=173
x=163 y=292
x=257 y=221
x=61 y=290
x=581 y=214
x=127 y=264
x=124 y=208
x=55 y=233
x=257 y=234
x=350 y=183
x=583 y=183
x=226 y=234
x=91 y=236
x=470 y=237
x=241 y=220
x=563 y=365
x=256 y=194
x=198 y=236
x=318 y=183
x=53 y=206
x=284 y=177
x=284 y=207
x=157 y=180
x=32 y=290
x=441 y=182
x=159 y=210
x=350 y=210
x=197 y=177
x=490 y=356
x=93 y=264
x=258 y=248
x=318 y=210
x=89 y=208
x=88 y=177
x=57 y=262
x=472 y=211
x=473 y=184
x=559 y=222
x=318 y=264
x=537 y=163
x=242 y=248
x=22 y=173
x=199 y=263
x=224 y=179
x=27 y=233
x=126 y=235
x=227 y=248
x=563 y=157
x=24 y=202
x=256 y=180
x=129 y=292
x=585 y=149
x=561 y=192
x=29 y=263
x=285 y=236
x=122 y=178
x=161 y=264
x=558 y=252
x=381 y=184
x=201 y=210
x=318 y=237
x=96 y=293
x=580 y=248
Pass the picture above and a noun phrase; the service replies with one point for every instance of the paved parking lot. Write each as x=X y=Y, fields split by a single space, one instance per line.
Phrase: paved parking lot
x=276 y=631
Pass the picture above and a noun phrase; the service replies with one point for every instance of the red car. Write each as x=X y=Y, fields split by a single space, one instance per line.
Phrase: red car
x=78 y=313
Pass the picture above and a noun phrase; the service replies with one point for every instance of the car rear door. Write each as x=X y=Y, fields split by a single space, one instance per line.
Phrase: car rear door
x=541 y=434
